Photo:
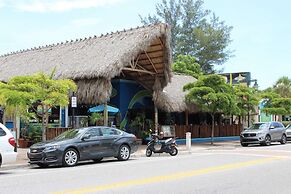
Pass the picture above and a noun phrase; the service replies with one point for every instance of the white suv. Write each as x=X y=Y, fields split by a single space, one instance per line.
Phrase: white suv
x=7 y=146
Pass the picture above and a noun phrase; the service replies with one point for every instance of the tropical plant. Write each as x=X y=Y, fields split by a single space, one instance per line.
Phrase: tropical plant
x=195 y=31
x=96 y=117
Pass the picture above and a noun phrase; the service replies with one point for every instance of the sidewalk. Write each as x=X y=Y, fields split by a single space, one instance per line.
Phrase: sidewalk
x=22 y=160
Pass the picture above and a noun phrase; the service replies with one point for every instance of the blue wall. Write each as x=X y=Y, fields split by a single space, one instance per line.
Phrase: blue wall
x=124 y=92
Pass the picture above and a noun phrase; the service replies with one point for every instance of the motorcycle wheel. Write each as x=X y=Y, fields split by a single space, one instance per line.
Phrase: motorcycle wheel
x=174 y=151
x=148 y=153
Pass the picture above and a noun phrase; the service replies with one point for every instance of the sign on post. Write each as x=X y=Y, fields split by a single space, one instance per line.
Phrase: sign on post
x=74 y=102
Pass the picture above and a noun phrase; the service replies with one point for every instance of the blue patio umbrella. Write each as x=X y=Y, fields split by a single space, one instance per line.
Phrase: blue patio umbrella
x=100 y=108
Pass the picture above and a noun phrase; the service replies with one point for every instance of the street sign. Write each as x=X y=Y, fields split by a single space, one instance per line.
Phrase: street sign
x=74 y=102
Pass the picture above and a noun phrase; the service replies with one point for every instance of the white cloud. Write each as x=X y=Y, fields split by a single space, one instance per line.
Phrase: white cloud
x=56 y=5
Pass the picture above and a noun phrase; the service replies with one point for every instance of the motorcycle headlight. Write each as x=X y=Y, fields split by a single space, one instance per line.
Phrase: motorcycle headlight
x=52 y=147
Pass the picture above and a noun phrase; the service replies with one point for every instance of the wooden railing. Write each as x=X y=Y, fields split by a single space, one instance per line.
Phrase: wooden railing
x=201 y=131
x=54 y=132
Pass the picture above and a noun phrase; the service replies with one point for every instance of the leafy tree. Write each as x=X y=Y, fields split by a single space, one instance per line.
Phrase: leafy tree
x=211 y=94
x=247 y=100
x=15 y=103
x=39 y=89
x=195 y=31
x=274 y=104
x=187 y=64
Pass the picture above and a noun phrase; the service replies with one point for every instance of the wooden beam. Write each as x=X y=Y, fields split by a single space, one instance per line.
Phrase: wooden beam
x=161 y=41
x=138 y=70
x=151 y=62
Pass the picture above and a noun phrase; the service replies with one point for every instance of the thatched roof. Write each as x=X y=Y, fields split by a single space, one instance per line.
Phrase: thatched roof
x=172 y=97
x=143 y=54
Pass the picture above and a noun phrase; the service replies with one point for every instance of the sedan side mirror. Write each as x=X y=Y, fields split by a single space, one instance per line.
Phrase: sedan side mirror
x=272 y=127
x=86 y=136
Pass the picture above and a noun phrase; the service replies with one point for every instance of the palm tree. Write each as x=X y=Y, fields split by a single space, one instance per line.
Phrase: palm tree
x=283 y=87
x=96 y=117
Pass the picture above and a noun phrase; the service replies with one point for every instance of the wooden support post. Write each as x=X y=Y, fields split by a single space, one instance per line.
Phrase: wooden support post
x=156 y=120
x=105 y=113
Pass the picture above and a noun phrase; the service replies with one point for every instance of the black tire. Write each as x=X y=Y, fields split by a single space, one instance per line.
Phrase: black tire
x=267 y=140
x=71 y=157
x=148 y=153
x=283 y=139
x=244 y=144
x=0 y=160
x=123 y=153
x=174 y=151
x=41 y=165
x=97 y=160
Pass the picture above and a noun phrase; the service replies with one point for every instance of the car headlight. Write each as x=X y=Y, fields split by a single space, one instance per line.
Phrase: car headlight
x=260 y=134
x=52 y=147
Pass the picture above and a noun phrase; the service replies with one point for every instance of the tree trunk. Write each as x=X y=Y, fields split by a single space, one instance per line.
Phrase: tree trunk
x=212 y=128
x=46 y=120
x=243 y=123
x=43 y=123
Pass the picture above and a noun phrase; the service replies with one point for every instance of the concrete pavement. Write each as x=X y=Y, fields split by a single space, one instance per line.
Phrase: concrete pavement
x=22 y=160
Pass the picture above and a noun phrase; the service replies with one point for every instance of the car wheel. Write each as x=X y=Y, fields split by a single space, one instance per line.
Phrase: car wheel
x=267 y=140
x=124 y=153
x=97 y=160
x=41 y=165
x=283 y=139
x=71 y=157
x=174 y=151
x=244 y=144
x=148 y=153
x=0 y=160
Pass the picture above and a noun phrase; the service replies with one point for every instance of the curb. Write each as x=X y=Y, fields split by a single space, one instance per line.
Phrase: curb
x=13 y=166
x=207 y=140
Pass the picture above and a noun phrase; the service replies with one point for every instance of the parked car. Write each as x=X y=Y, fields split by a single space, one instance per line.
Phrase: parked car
x=8 y=152
x=288 y=132
x=91 y=143
x=264 y=133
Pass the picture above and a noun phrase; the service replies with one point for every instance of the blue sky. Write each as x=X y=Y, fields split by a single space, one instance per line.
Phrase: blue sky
x=261 y=29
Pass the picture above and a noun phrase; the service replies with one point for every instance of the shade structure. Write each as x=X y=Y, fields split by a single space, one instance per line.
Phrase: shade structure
x=100 y=108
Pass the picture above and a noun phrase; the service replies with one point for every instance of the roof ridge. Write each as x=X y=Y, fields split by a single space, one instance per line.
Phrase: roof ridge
x=76 y=40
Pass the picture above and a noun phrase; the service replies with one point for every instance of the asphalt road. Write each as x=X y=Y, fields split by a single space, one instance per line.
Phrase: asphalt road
x=231 y=169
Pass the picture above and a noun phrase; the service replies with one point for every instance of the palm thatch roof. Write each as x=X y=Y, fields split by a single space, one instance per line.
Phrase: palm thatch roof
x=172 y=97
x=142 y=54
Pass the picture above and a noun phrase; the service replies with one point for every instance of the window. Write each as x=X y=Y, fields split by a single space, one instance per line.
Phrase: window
x=106 y=131
x=279 y=125
x=95 y=132
x=2 y=132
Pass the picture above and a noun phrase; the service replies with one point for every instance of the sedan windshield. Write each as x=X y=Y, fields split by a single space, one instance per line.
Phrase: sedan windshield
x=70 y=134
x=258 y=126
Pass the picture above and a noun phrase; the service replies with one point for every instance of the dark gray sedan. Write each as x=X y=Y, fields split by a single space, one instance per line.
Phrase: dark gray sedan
x=91 y=143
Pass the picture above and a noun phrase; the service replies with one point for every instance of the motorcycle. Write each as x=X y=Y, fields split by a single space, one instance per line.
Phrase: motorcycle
x=168 y=146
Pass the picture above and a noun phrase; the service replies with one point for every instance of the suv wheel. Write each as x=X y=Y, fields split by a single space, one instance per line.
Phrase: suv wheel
x=244 y=144
x=283 y=139
x=267 y=140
